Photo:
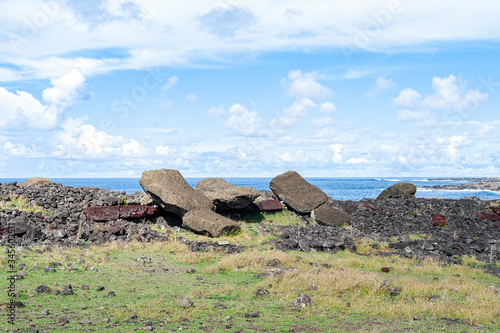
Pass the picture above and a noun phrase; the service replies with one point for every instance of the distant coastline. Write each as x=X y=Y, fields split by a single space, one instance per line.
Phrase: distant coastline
x=472 y=184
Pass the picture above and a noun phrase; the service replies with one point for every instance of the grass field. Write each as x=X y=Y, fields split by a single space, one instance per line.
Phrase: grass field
x=349 y=291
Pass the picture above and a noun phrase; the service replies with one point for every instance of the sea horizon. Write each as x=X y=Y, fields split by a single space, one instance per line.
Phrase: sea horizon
x=339 y=188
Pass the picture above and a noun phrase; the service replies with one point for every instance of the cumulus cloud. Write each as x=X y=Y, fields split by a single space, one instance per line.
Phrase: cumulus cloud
x=381 y=85
x=84 y=141
x=407 y=98
x=243 y=122
x=17 y=149
x=304 y=86
x=336 y=148
x=291 y=115
x=451 y=94
x=22 y=110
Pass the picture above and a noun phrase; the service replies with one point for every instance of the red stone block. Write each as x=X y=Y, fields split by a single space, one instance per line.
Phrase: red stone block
x=495 y=209
x=385 y=269
x=133 y=211
x=367 y=206
x=102 y=214
x=151 y=211
x=495 y=225
x=492 y=216
x=481 y=216
x=269 y=205
x=439 y=220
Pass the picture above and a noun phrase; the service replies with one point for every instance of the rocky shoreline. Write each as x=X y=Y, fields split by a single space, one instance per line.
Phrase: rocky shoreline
x=414 y=227
x=473 y=184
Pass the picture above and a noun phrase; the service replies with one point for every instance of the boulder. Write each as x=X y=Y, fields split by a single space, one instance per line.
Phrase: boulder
x=398 y=190
x=226 y=196
x=331 y=216
x=36 y=181
x=296 y=192
x=205 y=221
x=170 y=191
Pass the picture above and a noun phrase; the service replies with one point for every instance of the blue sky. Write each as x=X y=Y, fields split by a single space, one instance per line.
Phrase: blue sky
x=110 y=88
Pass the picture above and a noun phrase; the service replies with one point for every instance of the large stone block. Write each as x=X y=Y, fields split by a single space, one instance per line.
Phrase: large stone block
x=398 y=190
x=331 y=216
x=296 y=192
x=102 y=213
x=206 y=222
x=226 y=196
x=172 y=193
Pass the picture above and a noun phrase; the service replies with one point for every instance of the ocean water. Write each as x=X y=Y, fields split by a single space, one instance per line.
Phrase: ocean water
x=337 y=188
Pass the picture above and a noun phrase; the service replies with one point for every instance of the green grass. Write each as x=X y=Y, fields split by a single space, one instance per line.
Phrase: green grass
x=22 y=204
x=345 y=288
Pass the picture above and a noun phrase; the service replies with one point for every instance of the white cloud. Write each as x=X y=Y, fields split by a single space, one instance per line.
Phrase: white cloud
x=327 y=108
x=381 y=85
x=65 y=90
x=407 y=98
x=291 y=115
x=83 y=141
x=419 y=118
x=171 y=81
x=304 y=86
x=164 y=150
x=22 y=109
x=450 y=94
x=167 y=33
x=243 y=122
x=336 y=148
x=357 y=160
x=451 y=144
x=17 y=149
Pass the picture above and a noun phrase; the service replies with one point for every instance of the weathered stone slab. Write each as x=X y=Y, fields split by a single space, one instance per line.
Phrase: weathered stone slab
x=133 y=211
x=172 y=193
x=204 y=221
x=331 y=216
x=296 y=192
x=102 y=213
x=226 y=196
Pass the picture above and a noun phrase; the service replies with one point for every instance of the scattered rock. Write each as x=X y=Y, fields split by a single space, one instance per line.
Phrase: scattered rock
x=111 y=294
x=42 y=289
x=253 y=314
x=385 y=269
x=186 y=303
x=261 y=292
x=302 y=300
